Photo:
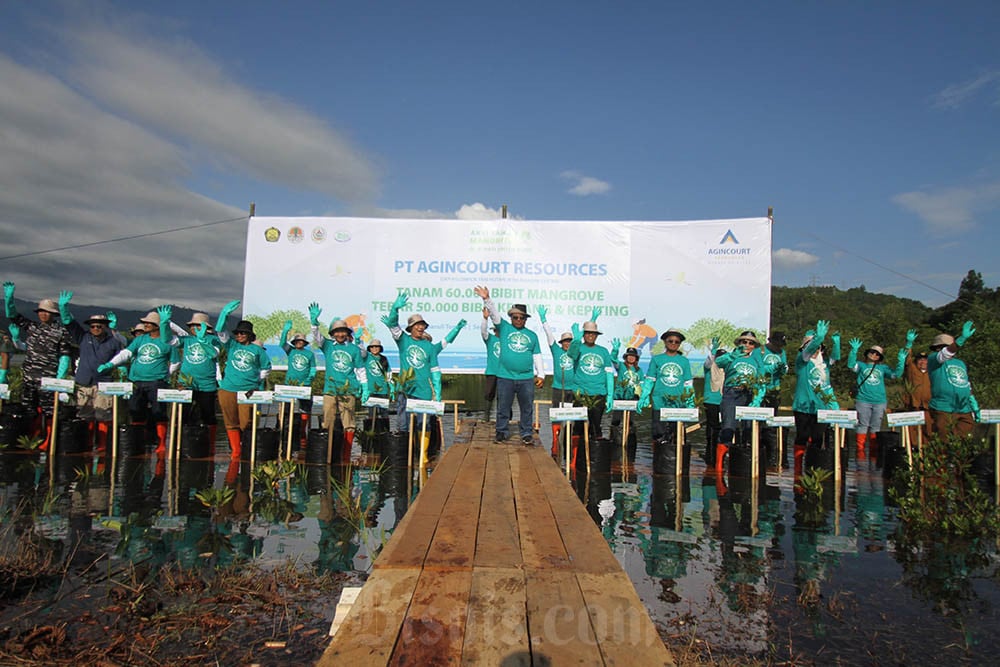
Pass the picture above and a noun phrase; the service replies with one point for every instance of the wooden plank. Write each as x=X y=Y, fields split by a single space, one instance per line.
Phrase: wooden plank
x=369 y=632
x=541 y=544
x=558 y=622
x=586 y=547
x=497 y=542
x=496 y=632
x=624 y=631
x=454 y=543
x=417 y=528
x=433 y=630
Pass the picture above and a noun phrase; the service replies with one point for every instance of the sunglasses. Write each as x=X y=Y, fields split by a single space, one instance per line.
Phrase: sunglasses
x=674 y=341
x=518 y=317
x=96 y=326
x=745 y=341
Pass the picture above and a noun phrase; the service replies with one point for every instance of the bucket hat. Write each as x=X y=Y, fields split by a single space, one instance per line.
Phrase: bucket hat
x=876 y=348
x=749 y=337
x=415 y=318
x=199 y=318
x=942 y=339
x=97 y=319
x=152 y=317
x=245 y=326
x=48 y=305
x=375 y=342
x=672 y=332
x=590 y=327
x=518 y=309
x=565 y=336
x=296 y=337
x=634 y=352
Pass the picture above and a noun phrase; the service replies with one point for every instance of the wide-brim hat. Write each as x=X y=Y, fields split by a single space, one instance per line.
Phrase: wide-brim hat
x=565 y=336
x=244 y=326
x=634 y=352
x=414 y=319
x=199 y=318
x=375 y=342
x=97 y=319
x=942 y=339
x=48 y=305
x=152 y=317
x=877 y=349
x=749 y=337
x=518 y=309
x=296 y=337
x=339 y=324
x=672 y=332
x=590 y=327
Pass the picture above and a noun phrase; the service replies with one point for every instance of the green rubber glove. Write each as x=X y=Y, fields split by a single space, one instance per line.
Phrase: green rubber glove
x=647 y=389
x=974 y=406
x=822 y=328
x=855 y=345
x=8 y=300
x=104 y=368
x=3 y=376
x=436 y=384
x=284 y=332
x=610 y=386
x=365 y=394
x=967 y=331
x=577 y=332
x=165 y=312
x=64 y=362
x=314 y=312
x=911 y=336
x=112 y=320
x=453 y=334
x=542 y=313
x=595 y=313
x=616 y=345
x=200 y=333
x=227 y=310
x=64 y=298
x=15 y=333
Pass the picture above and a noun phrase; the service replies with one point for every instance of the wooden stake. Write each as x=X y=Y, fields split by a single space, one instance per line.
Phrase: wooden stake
x=568 y=428
x=52 y=438
x=253 y=441
x=754 y=450
x=625 y=425
x=423 y=441
x=679 y=463
x=409 y=455
x=586 y=442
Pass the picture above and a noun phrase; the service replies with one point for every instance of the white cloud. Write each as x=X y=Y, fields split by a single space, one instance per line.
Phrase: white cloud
x=786 y=258
x=950 y=209
x=585 y=185
x=959 y=94
x=103 y=149
x=478 y=211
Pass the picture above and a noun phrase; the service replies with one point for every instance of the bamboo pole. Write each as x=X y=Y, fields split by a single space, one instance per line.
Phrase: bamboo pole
x=679 y=463
x=409 y=448
x=586 y=443
x=837 y=435
x=568 y=428
x=625 y=426
x=423 y=441
x=52 y=438
x=754 y=450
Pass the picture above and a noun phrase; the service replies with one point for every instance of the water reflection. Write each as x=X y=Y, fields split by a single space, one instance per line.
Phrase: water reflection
x=747 y=563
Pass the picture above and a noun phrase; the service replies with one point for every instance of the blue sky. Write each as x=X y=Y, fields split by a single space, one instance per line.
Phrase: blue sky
x=871 y=128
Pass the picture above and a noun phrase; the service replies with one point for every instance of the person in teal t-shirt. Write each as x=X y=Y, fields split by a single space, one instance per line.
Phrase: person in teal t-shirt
x=669 y=383
x=150 y=369
x=563 y=373
x=954 y=410
x=418 y=360
x=521 y=368
x=301 y=370
x=247 y=366
x=492 y=343
x=346 y=377
x=871 y=375
x=813 y=391
x=594 y=372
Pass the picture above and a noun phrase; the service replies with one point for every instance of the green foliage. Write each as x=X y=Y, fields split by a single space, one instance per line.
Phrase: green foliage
x=940 y=498
x=700 y=334
x=215 y=497
x=812 y=483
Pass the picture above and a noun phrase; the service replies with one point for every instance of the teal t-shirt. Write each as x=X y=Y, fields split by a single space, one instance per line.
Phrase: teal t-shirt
x=244 y=362
x=150 y=359
x=198 y=361
x=492 y=354
x=777 y=363
x=742 y=371
x=341 y=361
x=628 y=382
x=673 y=379
x=563 y=369
x=592 y=366
x=710 y=397
x=421 y=356
x=301 y=365
x=378 y=384
x=950 y=385
x=517 y=350
x=812 y=384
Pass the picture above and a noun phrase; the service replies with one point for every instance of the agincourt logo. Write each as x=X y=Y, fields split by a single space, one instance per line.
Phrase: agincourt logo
x=729 y=245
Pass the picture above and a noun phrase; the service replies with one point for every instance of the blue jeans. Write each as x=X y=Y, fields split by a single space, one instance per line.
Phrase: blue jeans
x=525 y=392
x=869 y=416
x=730 y=399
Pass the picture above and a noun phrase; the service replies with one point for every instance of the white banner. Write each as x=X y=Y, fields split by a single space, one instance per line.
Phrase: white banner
x=716 y=275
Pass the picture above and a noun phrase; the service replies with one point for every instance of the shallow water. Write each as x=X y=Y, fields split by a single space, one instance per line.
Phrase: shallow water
x=748 y=567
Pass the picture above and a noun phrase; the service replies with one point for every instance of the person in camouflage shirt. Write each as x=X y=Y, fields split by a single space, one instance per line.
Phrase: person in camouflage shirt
x=47 y=354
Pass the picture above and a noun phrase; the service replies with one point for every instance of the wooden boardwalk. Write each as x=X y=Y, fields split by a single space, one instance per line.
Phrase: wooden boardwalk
x=497 y=563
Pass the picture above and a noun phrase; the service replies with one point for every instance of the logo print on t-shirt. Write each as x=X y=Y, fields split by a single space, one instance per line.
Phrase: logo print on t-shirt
x=243 y=360
x=518 y=342
x=341 y=361
x=591 y=364
x=671 y=374
x=148 y=354
x=416 y=356
x=300 y=363
x=957 y=377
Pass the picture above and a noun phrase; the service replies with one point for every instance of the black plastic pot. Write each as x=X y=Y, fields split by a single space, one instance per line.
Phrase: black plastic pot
x=194 y=441
x=665 y=457
x=891 y=453
x=601 y=451
x=74 y=437
x=131 y=440
x=14 y=423
x=268 y=443
x=316 y=445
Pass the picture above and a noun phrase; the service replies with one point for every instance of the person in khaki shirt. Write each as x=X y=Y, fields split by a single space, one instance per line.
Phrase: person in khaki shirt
x=917 y=391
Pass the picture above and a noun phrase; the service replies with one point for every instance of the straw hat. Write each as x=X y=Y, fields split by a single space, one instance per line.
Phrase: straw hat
x=565 y=336
x=749 y=337
x=199 y=318
x=415 y=318
x=942 y=339
x=590 y=327
x=337 y=325
x=48 y=305
x=518 y=309
x=152 y=317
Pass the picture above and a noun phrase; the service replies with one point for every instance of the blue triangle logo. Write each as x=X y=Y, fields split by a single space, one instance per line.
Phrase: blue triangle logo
x=729 y=238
